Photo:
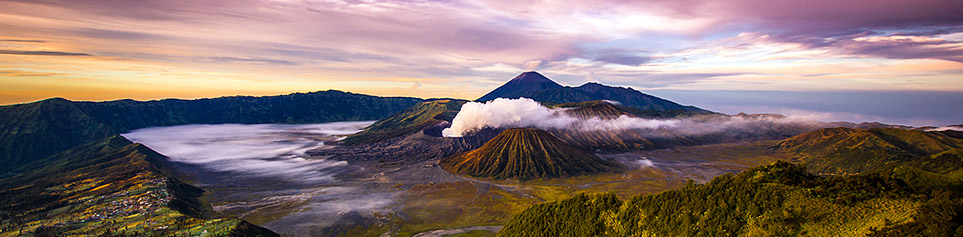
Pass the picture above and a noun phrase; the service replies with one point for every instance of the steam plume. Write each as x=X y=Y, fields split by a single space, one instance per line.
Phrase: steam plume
x=524 y=112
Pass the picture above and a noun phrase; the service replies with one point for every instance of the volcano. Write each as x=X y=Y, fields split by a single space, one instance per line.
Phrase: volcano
x=522 y=85
x=537 y=87
x=525 y=153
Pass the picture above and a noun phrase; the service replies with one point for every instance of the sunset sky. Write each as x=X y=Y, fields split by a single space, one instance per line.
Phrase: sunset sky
x=807 y=57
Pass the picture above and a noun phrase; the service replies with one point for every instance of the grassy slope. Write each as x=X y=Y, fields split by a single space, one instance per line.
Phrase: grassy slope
x=83 y=191
x=845 y=150
x=525 y=153
x=410 y=120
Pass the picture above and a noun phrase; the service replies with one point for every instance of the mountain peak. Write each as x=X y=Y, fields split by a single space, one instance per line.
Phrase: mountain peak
x=532 y=77
x=523 y=84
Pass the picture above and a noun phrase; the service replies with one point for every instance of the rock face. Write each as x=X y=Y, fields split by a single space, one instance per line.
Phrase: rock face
x=525 y=153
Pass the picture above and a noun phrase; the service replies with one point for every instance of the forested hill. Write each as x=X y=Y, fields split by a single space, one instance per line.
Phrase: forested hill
x=782 y=199
x=314 y=107
x=849 y=150
x=36 y=130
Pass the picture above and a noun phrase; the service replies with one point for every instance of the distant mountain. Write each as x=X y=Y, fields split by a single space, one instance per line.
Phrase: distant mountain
x=36 y=130
x=109 y=187
x=534 y=86
x=849 y=151
x=297 y=108
x=525 y=153
x=524 y=84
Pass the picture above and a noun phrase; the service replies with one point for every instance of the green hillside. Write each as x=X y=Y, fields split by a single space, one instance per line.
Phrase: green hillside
x=525 y=153
x=410 y=120
x=33 y=131
x=848 y=151
x=776 y=200
x=112 y=186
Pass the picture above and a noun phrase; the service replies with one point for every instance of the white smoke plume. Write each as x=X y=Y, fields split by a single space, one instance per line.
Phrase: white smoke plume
x=524 y=112
x=946 y=128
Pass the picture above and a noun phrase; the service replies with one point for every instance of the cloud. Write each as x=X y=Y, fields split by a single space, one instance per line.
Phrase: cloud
x=251 y=60
x=946 y=128
x=623 y=59
x=21 y=73
x=42 y=53
x=22 y=41
x=524 y=112
x=531 y=64
x=265 y=150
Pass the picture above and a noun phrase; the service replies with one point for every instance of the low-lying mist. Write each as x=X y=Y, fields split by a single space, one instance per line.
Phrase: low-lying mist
x=262 y=169
x=524 y=112
x=265 y=150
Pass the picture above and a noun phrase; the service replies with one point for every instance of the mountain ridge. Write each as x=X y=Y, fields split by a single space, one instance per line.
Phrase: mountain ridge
x=537 y=87
x=523 y=84
x=849 y=150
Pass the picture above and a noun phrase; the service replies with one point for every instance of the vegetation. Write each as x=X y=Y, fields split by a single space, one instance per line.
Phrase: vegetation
x=314 y=107
x=410 y=120
x=29 y=132
x=108 y=187
x=525 y=153
x=850 y=151
x=775 y=200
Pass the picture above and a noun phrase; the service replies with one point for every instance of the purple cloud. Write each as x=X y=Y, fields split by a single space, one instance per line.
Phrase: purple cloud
x=42 y=53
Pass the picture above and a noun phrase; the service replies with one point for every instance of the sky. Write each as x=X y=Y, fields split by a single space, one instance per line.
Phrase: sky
x=715 y=54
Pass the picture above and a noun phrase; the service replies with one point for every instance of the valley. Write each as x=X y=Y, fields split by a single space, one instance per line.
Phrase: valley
x=261 y=173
